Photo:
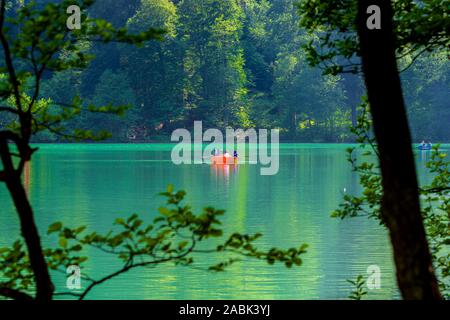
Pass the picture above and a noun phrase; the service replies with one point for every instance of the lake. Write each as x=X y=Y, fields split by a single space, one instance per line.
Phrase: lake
x=93 y=184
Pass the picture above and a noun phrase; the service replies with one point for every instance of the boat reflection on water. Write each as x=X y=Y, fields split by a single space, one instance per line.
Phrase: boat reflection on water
x=224 y=164
x=224 y=170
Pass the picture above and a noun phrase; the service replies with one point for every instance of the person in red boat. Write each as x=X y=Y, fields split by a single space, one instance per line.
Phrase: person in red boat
x=226 y=155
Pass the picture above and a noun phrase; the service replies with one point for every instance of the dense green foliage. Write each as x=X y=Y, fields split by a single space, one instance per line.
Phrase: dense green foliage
x=421 y=30
x=238 y=63
x=40 y=53
x=418 y=27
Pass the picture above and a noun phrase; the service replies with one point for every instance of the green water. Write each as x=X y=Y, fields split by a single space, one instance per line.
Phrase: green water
x=94 y=184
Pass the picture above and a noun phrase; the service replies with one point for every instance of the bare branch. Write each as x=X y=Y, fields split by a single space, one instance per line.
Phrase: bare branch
x=414 y=59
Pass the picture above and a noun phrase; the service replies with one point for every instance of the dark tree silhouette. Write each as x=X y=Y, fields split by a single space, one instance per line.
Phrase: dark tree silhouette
x=400 y=202
x=344 y=41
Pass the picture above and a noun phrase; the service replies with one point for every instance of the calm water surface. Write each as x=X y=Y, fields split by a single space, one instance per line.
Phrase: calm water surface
x=82 y=184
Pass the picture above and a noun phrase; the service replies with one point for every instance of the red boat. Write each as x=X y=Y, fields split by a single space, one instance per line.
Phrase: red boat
x=224 y=159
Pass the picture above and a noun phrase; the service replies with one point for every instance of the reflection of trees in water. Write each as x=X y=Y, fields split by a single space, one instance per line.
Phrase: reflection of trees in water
x=223 y=170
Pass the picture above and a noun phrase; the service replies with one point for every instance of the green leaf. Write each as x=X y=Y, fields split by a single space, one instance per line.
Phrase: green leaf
x=62 y=242
x=182 y=244
x=120 y=221
x=76 y=247
x=164 y=211
x=54 y=227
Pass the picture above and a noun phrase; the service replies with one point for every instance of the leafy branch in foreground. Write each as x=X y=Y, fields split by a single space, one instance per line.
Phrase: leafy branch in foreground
x=435 y=197
x=173 y=237
x=358 y=291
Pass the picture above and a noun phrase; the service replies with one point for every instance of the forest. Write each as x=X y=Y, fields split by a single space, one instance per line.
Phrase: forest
x=234 y=63
x=135 y=71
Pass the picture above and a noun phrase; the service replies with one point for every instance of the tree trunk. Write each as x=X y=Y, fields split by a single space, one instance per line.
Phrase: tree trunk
x=400 y=202
x=44 y=286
